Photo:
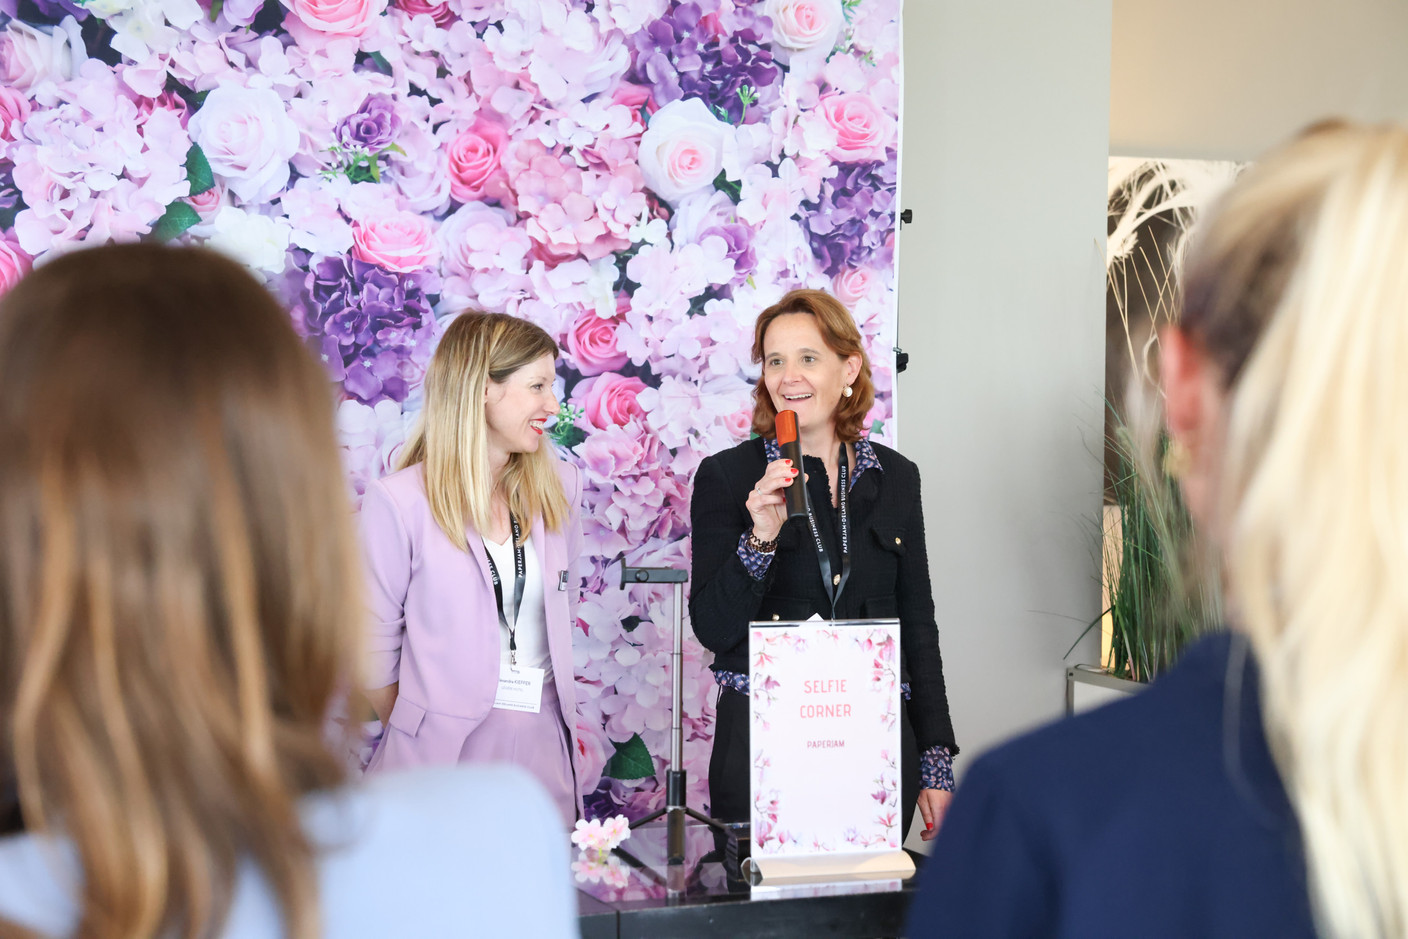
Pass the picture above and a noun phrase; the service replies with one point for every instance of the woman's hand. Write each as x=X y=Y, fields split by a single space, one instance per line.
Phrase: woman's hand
x=766 y=503
x=933 y=803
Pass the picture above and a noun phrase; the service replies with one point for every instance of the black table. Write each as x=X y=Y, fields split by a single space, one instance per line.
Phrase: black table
x=635 y=894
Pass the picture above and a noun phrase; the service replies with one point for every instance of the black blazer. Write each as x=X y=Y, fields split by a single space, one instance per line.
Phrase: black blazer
x=889 y=570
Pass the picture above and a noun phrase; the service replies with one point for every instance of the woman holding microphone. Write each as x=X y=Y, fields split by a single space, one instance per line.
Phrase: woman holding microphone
x=470 y=551
x=752 y=563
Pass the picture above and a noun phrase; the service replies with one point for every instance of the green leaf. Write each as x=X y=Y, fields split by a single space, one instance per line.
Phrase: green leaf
x=631 y=761
x=215 y=9
x=630 y=623
x=878 y=427
x=198 y=171
x=380 y=62
x=730 y=188
x=178 y=217
x=567 y=436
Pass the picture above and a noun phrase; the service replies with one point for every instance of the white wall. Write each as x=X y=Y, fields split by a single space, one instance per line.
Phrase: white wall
x=1226 y=80
x=1002 y=311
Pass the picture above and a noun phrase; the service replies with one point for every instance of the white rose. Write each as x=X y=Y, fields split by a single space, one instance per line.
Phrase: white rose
x=258 y=242
x=803 y=27
x=682 y=150
x=248 y=138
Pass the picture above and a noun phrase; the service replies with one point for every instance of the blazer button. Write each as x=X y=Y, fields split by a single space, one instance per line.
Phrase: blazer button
x=897 y=541
x=776 y=616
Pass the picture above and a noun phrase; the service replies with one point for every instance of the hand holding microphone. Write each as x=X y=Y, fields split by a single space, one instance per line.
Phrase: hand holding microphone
x=791 y=447
x=770 y=502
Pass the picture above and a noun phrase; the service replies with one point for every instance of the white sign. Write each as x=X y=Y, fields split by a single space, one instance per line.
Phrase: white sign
x=825 y=742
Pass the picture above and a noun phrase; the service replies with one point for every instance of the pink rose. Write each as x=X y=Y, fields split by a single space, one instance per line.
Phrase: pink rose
x=401 y=242
x=610 y=399
x=682 y=151
x=591 y=341
x=739 y=424
x=166 y=101
x=634 y=97
x=14 y=264
x=804 y=27
x=208 y=203
x=853 y=285
x=476 y=156
x=439 y=12
x=591 y=755
x=863 y=130
x=14 y=108
x=337 y=17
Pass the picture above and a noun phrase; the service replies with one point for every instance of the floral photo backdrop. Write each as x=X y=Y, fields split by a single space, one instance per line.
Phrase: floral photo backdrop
x=638 y=177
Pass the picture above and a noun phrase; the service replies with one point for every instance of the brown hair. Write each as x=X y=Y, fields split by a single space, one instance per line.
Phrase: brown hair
x=838 y=330
x=452 y=436
x=177 y=599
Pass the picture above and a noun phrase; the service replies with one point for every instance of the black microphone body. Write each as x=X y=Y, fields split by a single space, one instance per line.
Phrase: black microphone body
x=791 y=447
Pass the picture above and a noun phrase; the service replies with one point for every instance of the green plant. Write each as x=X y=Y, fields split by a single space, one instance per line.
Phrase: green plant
x=1163 y=590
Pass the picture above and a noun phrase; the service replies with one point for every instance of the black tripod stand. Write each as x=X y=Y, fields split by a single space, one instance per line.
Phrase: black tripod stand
x=676 y=779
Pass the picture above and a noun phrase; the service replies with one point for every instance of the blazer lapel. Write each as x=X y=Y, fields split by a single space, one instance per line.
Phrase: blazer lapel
x=551 y=550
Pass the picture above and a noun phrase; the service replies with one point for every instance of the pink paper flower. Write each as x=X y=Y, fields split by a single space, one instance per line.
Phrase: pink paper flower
x=601 y=835
x=403 y=242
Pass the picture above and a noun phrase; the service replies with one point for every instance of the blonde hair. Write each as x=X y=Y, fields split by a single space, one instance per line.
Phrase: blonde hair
x=1297 y=286
x=838 y=330
x=175 y=583
x=451 y=437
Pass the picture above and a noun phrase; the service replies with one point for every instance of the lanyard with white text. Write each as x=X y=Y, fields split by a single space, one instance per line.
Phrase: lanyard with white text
x=520 y=574
x=835 y=583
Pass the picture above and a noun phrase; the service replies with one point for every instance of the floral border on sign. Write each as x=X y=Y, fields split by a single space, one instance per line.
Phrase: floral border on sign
x=878 y=643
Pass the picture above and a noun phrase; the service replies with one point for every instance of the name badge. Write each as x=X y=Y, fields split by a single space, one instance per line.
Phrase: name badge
x=520 y=689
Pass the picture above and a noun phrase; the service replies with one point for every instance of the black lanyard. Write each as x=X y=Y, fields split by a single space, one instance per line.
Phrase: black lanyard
x=831 y=582
x=520 y=574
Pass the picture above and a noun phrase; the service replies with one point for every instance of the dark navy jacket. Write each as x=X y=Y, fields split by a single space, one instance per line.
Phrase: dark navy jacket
x=1162 y=815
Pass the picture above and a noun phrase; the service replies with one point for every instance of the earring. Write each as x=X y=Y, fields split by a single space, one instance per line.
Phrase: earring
x=847 y=391
x=1177 y=460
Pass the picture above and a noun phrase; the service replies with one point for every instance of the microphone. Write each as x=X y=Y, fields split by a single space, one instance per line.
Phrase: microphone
x=791 y=448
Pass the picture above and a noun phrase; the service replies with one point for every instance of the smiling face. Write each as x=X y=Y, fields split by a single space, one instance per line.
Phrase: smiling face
x=802 y=373
x=516 y=408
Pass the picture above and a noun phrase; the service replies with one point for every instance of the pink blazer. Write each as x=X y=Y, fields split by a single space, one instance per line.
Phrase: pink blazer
x=435 y=625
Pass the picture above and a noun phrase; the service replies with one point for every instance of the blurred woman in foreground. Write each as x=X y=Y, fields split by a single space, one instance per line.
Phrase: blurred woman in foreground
x=1258 y=788
x=178 y=610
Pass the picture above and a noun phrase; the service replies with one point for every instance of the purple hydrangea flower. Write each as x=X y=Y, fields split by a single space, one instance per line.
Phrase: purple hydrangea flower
x=851 y=223
x=373 y=328
x=739 y=239
x=683 y=55
x=374 y=126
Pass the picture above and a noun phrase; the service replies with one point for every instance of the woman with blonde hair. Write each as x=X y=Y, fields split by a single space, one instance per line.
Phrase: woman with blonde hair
x=1258 y=788
x=471 y=548
x=177 y=594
